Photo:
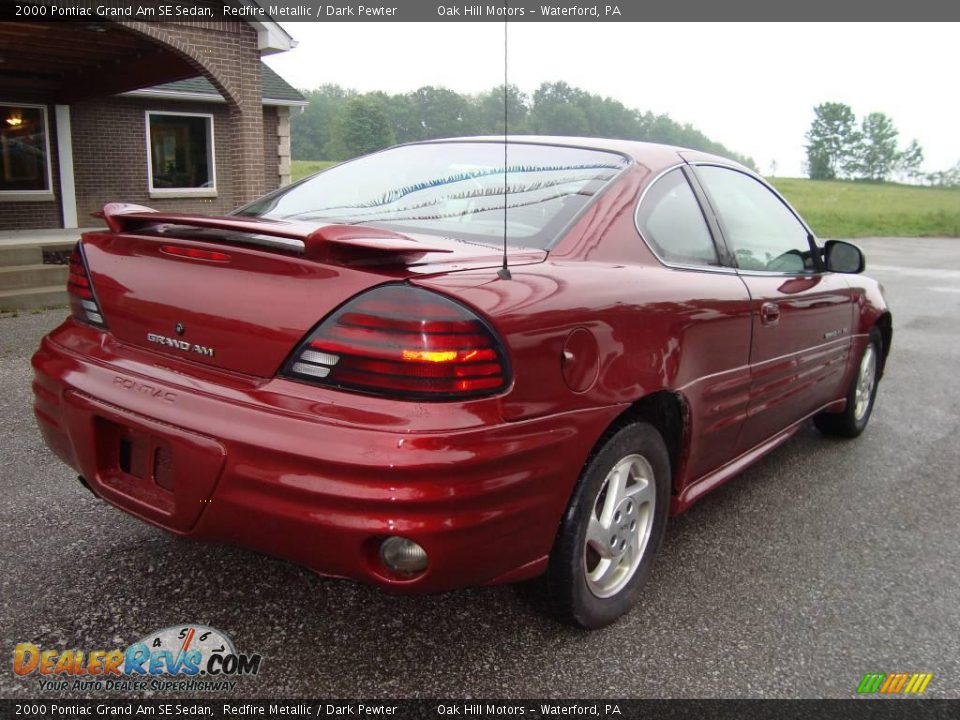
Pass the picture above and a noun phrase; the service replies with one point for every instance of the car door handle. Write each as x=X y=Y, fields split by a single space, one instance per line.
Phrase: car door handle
x=769 y=313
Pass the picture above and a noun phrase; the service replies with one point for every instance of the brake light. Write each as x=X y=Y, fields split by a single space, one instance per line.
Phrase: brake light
x=403 y=341
x=195 y=253
x=83 y=302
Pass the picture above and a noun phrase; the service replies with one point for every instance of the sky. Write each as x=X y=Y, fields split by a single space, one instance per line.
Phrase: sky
x=750 y=86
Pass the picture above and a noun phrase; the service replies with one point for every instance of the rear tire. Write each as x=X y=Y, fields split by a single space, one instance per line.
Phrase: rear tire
x=604 y=550
x=860 y=395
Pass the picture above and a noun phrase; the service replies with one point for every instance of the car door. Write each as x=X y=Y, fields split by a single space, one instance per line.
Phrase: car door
x=707 y=309
x=802 y=316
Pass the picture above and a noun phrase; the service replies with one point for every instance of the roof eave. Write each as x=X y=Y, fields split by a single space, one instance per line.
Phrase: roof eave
x=184 y=96
x=271 y=38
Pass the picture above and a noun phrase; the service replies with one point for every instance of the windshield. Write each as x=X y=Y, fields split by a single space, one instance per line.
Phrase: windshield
x=453 y=189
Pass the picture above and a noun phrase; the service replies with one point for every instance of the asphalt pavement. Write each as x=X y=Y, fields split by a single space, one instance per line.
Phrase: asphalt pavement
x=826 y=560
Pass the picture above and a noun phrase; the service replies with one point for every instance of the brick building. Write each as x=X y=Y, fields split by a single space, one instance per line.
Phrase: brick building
x=177 y=116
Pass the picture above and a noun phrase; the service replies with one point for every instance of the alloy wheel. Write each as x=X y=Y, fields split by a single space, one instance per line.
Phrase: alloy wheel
x=619 y=527
x=866 y=379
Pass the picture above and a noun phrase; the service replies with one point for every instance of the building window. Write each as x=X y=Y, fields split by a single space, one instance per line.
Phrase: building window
x=180 y=153
x=24 y=149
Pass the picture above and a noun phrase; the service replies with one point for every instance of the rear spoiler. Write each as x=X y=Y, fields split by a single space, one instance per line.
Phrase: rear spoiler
x=325 y=243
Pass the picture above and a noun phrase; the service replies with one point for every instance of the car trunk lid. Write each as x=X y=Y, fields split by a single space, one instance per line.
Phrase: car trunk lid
x=240 y=294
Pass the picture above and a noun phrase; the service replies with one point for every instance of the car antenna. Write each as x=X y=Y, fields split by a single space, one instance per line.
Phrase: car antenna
x=504 y=272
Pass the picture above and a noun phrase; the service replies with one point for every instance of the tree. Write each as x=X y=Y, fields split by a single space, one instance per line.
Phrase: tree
x=405 y=116
x=333 y=126
x=910 y=160
x=819 y=166
x=444 y=113
x=361 y=127
x=490 y=111
x=945 y=178
x=559 y=119
x=609 y=118
x=877 y=158
x=310 y=129
x=831 y=141
x=558 y=109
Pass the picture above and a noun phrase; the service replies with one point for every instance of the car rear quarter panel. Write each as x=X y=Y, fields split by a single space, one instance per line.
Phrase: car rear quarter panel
x=656 y=328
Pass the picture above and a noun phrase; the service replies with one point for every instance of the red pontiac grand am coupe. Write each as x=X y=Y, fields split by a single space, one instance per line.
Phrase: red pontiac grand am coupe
x=342 y=372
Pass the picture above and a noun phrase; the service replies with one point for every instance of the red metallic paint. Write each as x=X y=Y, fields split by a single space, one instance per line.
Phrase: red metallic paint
x=580 y=360
x=311 y=475
x=795 y=368
x=320 y=476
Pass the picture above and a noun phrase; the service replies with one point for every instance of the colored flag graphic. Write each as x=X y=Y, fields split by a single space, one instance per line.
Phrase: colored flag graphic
x=894 y=683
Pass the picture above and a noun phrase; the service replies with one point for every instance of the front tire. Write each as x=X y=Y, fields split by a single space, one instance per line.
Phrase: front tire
x=860 y=395
x=612 y=529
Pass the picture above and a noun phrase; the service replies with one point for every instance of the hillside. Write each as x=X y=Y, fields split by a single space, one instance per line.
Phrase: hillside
x=839 y=209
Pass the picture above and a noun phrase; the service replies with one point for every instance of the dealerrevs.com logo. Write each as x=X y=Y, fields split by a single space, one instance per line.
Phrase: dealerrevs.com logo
x=188 y=658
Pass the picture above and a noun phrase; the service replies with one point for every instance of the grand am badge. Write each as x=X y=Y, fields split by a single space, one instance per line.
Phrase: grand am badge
x=184 y=345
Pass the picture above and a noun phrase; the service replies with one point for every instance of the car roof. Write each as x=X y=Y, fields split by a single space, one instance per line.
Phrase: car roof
x=646 y=153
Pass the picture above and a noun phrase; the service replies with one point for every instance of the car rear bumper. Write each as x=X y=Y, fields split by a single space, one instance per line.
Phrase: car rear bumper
x=281 y=468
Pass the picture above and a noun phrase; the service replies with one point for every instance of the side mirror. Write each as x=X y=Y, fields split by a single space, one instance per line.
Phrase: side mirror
x=842 y=257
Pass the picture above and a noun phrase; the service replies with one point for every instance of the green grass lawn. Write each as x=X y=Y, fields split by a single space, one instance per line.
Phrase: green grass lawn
x=302 y=168
x=837 y=209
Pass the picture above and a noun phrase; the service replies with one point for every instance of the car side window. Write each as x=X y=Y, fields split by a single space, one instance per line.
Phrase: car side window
x=671 y=221
x=761 y=231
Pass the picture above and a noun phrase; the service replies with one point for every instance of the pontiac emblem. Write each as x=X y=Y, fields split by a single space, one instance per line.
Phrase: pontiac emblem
x=180 y=328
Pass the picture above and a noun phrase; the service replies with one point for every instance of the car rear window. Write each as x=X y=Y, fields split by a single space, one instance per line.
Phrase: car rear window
x=453 y=189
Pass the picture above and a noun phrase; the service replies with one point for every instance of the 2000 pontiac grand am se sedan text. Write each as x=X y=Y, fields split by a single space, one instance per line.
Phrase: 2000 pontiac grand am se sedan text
x=342 y=373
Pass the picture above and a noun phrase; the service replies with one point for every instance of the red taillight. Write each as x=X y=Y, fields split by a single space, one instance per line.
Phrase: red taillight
x=405 y=341
x=83 y=303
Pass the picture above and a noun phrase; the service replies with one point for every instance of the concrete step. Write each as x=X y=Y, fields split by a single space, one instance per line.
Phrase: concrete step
x=27 y=276
x=35 y=297
x=20 y=255
x=47 y=242
x=50 y=238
